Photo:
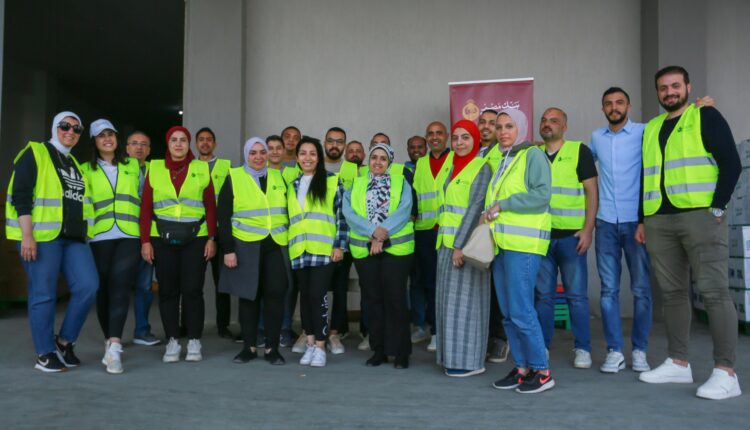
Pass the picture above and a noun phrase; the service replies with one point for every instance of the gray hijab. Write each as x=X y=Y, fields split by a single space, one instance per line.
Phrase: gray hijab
x=521 y=123
x=256 y=174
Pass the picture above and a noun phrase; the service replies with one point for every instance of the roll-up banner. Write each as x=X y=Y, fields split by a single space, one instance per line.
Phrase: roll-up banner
x=469 y=99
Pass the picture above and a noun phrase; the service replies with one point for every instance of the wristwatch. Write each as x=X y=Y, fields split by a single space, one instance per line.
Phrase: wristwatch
x=718 y=213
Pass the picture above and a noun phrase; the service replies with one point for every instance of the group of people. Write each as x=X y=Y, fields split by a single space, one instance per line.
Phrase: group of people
x=294 y=217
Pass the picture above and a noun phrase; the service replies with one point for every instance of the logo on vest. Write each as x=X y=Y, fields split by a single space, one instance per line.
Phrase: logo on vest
x=470 y=110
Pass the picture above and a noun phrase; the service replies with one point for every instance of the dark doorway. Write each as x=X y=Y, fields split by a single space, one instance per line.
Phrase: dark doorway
x=117 y=60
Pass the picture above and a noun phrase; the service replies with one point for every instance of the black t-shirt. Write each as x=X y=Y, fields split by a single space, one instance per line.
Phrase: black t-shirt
x=74 y=227
x=586 y=169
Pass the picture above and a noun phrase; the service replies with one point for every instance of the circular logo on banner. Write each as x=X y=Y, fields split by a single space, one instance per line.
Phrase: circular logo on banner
x=470 y=110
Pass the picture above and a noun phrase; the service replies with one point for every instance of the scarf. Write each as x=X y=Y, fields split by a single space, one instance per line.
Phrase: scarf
x=64 y=150
x=178 y=166
x=459 y=162
x=379 y=189
x=256 y=174
x=522 y=124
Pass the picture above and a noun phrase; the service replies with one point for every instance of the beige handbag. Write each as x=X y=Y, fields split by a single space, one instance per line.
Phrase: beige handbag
x=479 y=250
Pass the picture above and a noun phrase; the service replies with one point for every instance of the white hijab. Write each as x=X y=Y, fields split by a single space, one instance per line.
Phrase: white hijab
x=54 y=141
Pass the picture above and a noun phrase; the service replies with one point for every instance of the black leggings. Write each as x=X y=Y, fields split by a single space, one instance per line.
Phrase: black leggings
x=383 y=278
x=313 y=283
x=181 y=271
x=272 y=286
x=340 y=287
x=117 y=264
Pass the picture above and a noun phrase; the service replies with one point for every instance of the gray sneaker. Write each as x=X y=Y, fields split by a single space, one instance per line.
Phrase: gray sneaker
x=147 y=339
x=498 y=350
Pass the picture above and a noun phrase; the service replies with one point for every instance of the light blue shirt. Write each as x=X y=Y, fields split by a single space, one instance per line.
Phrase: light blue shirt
x=619 y=157
x=394 y=223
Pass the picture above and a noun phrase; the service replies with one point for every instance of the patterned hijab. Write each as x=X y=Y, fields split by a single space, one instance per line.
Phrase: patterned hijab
x=379 y=189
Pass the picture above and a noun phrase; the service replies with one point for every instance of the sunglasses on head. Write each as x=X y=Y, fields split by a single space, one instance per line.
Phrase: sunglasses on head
x=65 y=126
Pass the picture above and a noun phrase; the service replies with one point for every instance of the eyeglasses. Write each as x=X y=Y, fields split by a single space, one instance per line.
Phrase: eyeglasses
x=66 y=126
x=141 y=144
x=336 y=141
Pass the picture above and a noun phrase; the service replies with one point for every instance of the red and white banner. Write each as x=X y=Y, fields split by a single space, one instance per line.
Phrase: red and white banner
x=470 y=99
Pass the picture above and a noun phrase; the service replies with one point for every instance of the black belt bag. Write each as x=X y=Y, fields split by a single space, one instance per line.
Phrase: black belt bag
x=178 y=233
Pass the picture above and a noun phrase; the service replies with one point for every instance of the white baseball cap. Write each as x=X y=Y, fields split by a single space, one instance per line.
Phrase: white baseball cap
x=99 y=126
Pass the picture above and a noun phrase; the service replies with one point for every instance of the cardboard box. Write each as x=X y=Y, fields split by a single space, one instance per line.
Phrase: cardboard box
x=739 y=208
x=739 y=241
x=741 y=299
x=742 y=189
x=743 y=148
x=739 y=273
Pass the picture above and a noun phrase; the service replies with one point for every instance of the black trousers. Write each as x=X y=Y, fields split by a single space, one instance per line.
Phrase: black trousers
x=340 y=288
x=313 y=285
x=272 y=286
x=497 y=331
x=223 y=303
x=383 y=278
x=117 y=264
x=181 y=271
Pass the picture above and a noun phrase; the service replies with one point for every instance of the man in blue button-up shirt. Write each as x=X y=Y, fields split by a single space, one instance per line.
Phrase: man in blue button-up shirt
x=617 y=148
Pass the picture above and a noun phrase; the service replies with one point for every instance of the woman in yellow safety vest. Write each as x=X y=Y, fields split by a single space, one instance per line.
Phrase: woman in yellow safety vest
x=462 y=295
x=253 y=227
x=378 y=211
x=115 y=181
x=517 y=209
x=47 y=209
x=318 y=235
x=178 y=227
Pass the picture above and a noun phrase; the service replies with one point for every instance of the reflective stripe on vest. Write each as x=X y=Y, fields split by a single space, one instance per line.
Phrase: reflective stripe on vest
x=456 y=196
x=312 y=229
x=690 y=172
x=122 y=205
x=188 y=206
x=47 y=212
x=256 y=214
x=568 y=203
x=402 y=242
x=219 y=174
x=428 y=198
x=515 y=231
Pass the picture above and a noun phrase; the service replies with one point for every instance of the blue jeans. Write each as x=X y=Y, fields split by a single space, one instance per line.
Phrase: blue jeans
x=422 y=292
x=76 y=262
x=515 y=274
x=574 y=273
x=143 y=298
x=611 y=240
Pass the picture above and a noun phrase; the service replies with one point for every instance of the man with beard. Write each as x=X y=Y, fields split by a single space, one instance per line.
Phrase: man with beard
x=489 y=149
x=617 y=147
x=355 y=152
x=422 y=292
x=205 y=141
x=690 y=168
x=416 y=147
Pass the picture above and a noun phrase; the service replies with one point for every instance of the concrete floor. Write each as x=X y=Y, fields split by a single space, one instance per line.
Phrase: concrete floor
x=217 y=393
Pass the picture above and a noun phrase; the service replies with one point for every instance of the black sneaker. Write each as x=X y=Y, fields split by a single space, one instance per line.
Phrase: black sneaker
x=273 y=357
x=286 y=339
x=50 y=363
x=512 y=380
x=147 y=339
x=245 y=355
x=536 y=382
x=66 y=354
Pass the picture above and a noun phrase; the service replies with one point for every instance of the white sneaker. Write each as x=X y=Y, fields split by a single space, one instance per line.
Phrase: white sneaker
x=194 y=350
x=114 y=358
x=418 y=335
x=668 y=372
x=640 y=364
x=300 y=346
x=106 y=352
x=307 y=357
x=614 y=362
x=432 y=347
x=365 y=344
x=172 y=355
x=318 y=357
x=582 y=359
x=720 y=386
x=334 y=345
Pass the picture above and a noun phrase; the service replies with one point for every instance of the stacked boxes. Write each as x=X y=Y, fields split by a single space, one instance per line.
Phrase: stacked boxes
x=739 y=237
